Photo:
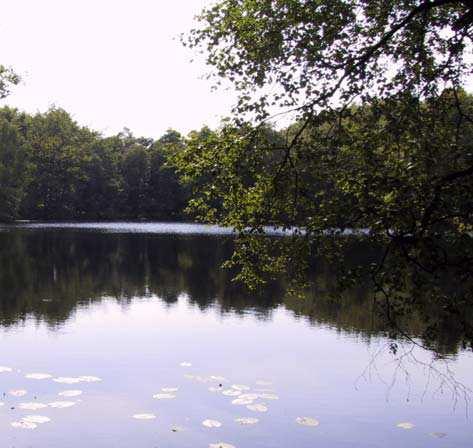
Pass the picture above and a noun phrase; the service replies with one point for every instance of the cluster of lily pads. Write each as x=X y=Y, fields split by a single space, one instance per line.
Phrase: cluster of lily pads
x=409 y=425
x=253 y=399
x=32 y=421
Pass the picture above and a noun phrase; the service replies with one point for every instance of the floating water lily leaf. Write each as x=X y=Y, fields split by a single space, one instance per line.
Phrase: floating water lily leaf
x=144 y=416
x=242 y=401
x=61 y=404
x=32 y=406
x=18 y=392
x=247 y=421
x=170 y=389
x=438 y=435
x=38 y=376
x=89 y=379
x=24 y=425
x=70 y=393
x=185 y=364
x=259 y=407
x=240 y=387
x=405 y=425
x=220 y=379
x=221 y=445
x=231 y=393
x=211 y=423
x=4 y=369
x=198 y=378
x=37 y=419
x=307 y=421
x=249 y=396
x=67 y=380
x=164 y=396
x=266 y=396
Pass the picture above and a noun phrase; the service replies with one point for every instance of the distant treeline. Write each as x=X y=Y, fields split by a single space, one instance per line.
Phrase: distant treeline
x=53 y=169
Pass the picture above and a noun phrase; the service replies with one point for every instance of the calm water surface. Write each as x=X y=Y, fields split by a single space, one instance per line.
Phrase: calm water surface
x=130 y=303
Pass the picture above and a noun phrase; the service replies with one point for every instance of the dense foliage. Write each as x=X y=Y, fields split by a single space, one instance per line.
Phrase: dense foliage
x=381 y=142
x=53 y=169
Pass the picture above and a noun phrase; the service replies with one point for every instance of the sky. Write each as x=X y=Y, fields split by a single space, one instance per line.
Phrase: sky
x=110 y=63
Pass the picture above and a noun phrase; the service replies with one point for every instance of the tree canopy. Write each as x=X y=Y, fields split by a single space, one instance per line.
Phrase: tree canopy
x=380 y=143
x=51 y=168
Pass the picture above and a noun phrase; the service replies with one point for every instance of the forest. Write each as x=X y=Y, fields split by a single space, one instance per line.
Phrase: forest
x=51 y=168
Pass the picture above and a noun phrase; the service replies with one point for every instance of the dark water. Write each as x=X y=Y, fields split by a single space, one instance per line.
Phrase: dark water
x=130 y=303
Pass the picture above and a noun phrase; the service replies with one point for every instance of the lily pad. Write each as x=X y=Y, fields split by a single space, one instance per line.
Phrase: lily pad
x=266 y=396
x=21 y=424
x=405 y=425
x=240 y=387
x=164 y=396
x=211 y=423
x=38 y=376
x=70 y=393
x=220 y=379
x=249 y=396
x=89 y=379
x=61 y=404
x=67 y=380
x=307 y=421
x=231 y=393
x=18 y=392
x=438 y=435
x=36 y=419
x=259 y=407
x=33 y=406
x=247 y=421
x=144 y=416
x=242 y=401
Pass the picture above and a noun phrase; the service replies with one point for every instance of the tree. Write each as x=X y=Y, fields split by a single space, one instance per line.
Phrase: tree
x=59 y=152
x=381 y=142
x=135 y=169
x=8 y=78
x=13 y=163
x=167 y=198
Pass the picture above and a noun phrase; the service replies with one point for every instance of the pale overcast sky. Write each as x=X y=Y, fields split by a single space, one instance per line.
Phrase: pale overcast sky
x=110 y=63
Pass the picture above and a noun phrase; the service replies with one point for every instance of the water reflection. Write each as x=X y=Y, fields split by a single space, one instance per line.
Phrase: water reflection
x=154 y=317
x=48 y=274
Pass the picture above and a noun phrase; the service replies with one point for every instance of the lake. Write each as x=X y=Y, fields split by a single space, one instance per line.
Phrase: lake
x=130 y=335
